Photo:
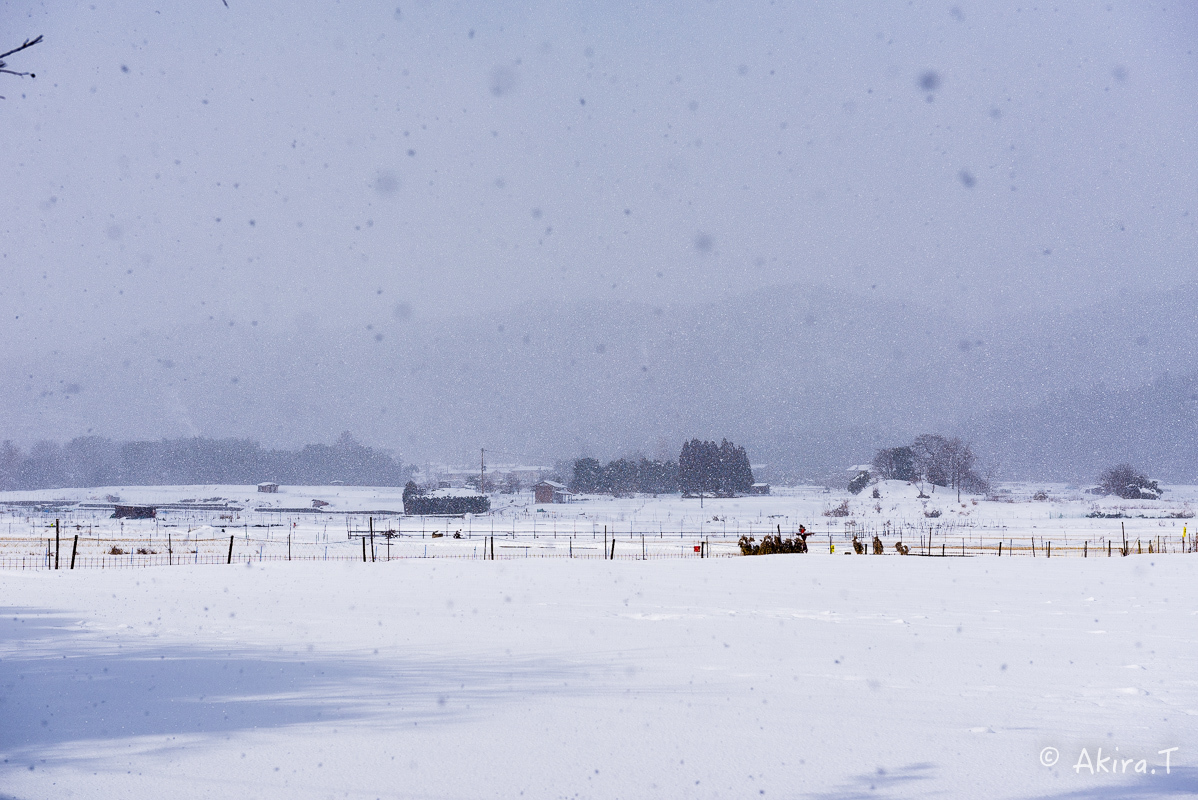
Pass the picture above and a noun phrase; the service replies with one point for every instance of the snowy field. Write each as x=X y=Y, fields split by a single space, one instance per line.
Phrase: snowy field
x=205 y=524
x=781 y=676
x=806 y=676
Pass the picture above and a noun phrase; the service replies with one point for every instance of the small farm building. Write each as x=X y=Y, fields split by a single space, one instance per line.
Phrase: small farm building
x=551 y=492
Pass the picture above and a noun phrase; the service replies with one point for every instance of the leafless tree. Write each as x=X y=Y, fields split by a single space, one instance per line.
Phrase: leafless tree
x=895 y=464
x=931 y=458
x=960 y=462
x=4 y=65
x=947 y=462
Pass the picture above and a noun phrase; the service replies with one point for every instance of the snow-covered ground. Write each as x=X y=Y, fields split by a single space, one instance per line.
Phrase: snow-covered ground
x=780 y=676
x=195 y=524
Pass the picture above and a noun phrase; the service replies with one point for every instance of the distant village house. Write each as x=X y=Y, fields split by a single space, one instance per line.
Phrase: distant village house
x=551 y=492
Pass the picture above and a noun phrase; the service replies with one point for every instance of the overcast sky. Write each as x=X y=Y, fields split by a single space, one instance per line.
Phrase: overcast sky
x=268 y=162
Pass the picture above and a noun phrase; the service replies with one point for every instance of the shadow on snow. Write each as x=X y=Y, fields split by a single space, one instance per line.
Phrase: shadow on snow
x=906 y=782
x=63 y=689
x=881 y=782
x=1180 y=782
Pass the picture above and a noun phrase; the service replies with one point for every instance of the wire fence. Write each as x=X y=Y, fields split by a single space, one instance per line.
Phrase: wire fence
x=123 y=551
x=127 y=553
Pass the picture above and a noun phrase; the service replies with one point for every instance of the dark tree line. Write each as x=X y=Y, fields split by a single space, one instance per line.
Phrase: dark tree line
x=702 y=468
x=716 y=469
x=95 y=461
x=624 y=476
x=935 y=459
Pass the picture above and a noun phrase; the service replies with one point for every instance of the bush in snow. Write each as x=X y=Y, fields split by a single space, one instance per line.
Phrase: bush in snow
x=1126 y=482
x=859 y=482
x=841 y=510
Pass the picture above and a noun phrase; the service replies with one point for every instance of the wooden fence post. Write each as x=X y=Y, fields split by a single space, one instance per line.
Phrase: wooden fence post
x=371 y=523
x=363 y=549
x=55 y=544
x=74 y=547
x=230 y=559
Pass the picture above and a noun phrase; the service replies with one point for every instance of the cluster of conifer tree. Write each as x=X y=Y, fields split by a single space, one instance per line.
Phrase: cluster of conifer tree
x=624 y=476
x=716 y=469
x=702 y=468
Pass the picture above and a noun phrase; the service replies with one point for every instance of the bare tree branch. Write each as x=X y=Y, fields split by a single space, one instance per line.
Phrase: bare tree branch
x=28 y=43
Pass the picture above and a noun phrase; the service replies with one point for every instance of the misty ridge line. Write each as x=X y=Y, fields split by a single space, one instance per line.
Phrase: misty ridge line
x=93 y=461
x=812 y=379
x=920 y=159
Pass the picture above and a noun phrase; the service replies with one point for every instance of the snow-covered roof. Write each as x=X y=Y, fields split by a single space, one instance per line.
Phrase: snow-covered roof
x=452 y=492
x=554 y=484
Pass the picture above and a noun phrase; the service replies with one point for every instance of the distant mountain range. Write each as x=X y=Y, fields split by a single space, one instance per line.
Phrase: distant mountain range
x=809 y=379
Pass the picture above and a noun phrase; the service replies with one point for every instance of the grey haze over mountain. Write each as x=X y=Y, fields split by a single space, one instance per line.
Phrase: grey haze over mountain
x=811 y=379
x=551 y=230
